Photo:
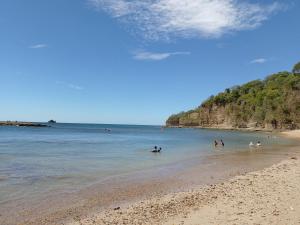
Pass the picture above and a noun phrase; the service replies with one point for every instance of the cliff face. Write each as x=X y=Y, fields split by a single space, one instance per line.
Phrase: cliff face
x=273 y=103
x=220 y=117
x=206 y=117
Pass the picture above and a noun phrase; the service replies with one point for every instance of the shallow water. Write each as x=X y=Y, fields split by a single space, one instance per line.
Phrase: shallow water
x=67 y=157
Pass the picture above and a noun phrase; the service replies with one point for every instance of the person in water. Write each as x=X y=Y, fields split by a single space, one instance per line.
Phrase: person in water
x=216 y=143
x=222 y=143
x=156 y=150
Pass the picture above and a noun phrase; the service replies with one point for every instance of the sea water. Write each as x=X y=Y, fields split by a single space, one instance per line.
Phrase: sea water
x=35 y=161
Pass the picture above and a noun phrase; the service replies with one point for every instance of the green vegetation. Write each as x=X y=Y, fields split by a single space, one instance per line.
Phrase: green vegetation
x=270 y=103
x=296 y=69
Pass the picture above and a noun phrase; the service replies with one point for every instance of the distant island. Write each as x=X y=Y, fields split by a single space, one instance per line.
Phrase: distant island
x=51 y=121
x=269 y=104
x=21 y=124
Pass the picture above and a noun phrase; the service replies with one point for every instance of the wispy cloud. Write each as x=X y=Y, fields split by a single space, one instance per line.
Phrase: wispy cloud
x=38 y=46
x=157 y=19
x=155 y=56
x=75 y=87
x=70 y=85
x=259 y=61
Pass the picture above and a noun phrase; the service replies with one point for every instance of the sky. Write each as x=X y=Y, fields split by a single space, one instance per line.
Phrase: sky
x=134 y=61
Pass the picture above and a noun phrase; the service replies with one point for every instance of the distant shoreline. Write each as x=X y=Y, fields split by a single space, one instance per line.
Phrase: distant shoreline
x=230 y=129
x=22 y=124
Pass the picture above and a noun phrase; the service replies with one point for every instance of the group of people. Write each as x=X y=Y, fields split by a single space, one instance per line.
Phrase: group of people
x=217 y=143
x=258 y=144
x=221 y=143
x=156 y=149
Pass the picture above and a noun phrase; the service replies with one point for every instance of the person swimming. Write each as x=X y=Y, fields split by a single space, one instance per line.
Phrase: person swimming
x=156 y=149
x=258 y=144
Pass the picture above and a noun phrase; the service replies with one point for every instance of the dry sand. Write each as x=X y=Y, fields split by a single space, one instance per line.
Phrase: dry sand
x=292 y=134
x=268 y=196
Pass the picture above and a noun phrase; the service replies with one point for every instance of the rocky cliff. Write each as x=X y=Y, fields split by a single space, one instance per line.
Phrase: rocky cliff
x=272 y=103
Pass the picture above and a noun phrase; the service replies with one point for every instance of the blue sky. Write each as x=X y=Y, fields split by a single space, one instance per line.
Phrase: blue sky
x=136 y=62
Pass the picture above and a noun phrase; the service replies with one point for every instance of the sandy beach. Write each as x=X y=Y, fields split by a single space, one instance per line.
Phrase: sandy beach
x=292 y=134
x=267 y=196
x=150 y=112
x=252 y=186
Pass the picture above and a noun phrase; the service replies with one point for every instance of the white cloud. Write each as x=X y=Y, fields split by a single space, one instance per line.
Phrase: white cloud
x=38 y=46
x=154 y=56
x=158 y=19
x=259 y=61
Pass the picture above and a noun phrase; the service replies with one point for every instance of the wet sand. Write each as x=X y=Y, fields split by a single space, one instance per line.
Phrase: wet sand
x=266 y=196
x=160 y=196
x=269 y=196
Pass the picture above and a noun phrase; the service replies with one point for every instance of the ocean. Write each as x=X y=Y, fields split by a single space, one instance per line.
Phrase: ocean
x=68 y=157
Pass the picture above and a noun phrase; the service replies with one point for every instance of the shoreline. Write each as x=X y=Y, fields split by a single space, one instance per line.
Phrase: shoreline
x=292 y=134
x=261 y=197
x=266 y=196
x=94 y=200
x=229 y=128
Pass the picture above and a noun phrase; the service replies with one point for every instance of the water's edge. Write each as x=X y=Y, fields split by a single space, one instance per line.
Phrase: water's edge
x=135 y=187
x=188 y=160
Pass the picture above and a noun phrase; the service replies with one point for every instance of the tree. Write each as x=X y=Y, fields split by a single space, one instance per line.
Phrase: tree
x=296 y=69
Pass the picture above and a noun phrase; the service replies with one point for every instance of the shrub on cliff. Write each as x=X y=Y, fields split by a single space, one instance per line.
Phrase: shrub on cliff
x=274 y=101
x=296 y=69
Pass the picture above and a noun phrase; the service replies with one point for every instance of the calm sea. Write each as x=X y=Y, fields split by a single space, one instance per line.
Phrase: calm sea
x=35 y=161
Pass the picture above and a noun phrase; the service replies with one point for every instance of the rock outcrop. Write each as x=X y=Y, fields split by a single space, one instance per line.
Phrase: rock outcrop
x=273 y=103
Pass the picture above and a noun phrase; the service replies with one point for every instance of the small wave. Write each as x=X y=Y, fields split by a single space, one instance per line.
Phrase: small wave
x=62 y=177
